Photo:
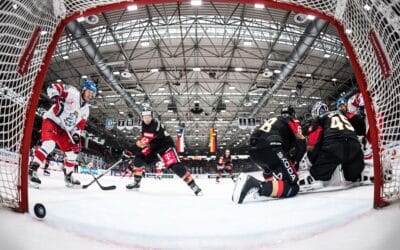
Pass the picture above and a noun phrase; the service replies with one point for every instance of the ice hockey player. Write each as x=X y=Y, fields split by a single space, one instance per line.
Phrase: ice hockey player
x=225 y=164
x=269 y=148
x=153 y=145
x=357 y=119
x=332 y=141
x=63 y=124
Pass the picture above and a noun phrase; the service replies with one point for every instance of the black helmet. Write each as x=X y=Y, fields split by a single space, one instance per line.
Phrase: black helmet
x=147 y=110
x=288 y=110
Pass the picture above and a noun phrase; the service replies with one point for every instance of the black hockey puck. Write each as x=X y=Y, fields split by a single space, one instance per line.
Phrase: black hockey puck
x=39 y=210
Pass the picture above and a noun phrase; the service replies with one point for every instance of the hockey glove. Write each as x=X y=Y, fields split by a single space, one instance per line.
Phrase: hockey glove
x=126 y=155
x=140 y=144
x=146 y=151
x=76 y=138
x=58 y=105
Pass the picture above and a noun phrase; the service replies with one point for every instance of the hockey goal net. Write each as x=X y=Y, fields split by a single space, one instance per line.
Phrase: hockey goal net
x=29 y=31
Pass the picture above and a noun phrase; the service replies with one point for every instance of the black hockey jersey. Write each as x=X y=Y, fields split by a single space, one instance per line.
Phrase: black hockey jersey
x=358 y=123
x=156 y=137
x=281 y=129
x=330 y=126
x=225 y=160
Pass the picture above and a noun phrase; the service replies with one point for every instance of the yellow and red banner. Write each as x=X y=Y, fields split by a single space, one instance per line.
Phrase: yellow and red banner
x=213 y=141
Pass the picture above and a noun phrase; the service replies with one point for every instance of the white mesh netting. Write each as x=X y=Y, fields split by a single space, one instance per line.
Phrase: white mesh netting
x=19 y=19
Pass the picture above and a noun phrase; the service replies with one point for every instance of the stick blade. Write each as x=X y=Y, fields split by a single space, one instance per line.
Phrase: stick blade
x=108 y=187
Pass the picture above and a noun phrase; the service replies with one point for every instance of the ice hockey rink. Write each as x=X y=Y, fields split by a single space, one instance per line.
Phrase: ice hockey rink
x=165 y=214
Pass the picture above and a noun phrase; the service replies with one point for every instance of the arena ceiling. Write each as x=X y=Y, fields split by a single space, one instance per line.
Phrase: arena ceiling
x=208 y=64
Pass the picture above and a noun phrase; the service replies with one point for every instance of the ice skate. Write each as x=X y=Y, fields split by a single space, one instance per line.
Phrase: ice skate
x=197 y=191
x=367 y=175
x=246 y=186
x=308 y=183
x=46 y=172
x=134 y=186
x=34 y=180
x=70 y=181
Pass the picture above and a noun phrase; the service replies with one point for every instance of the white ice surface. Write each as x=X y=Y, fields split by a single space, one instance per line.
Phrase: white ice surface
x=166 y=215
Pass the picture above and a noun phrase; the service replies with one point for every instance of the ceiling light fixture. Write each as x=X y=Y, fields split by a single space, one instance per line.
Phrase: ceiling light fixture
x=132 y=7
x=247 y=43
x=348 y=31
x=145 y=44
x=367 y=7
x=196 y=2
x=310 y=17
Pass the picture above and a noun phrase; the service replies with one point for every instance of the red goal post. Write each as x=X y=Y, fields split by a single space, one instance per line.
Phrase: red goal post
x=30 y=30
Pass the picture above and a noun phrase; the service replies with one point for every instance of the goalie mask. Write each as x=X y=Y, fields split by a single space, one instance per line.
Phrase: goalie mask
x=318 y=109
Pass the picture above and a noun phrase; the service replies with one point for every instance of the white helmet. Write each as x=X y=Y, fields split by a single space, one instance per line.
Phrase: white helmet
x=318 y=109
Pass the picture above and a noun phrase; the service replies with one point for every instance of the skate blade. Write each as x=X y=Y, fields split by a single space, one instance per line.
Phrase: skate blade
x=34 y=185
x=237 y=190
x=199 y=193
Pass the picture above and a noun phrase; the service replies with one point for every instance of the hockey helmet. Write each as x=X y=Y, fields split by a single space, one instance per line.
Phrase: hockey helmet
x=227 y=152
x=147 y=110
x=87 y=84
x=288 y=110
x=318 y=109
x=340 y=102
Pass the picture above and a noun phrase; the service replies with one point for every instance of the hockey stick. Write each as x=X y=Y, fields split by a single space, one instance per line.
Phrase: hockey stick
x=96 y=179
x=105 y=188
x=68 y=133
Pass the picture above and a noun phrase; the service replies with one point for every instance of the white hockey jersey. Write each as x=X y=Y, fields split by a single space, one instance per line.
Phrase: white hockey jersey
x=355 y=102
x=74 y=115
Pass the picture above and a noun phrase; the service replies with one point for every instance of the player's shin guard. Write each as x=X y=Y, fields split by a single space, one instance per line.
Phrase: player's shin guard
x=278 y=189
